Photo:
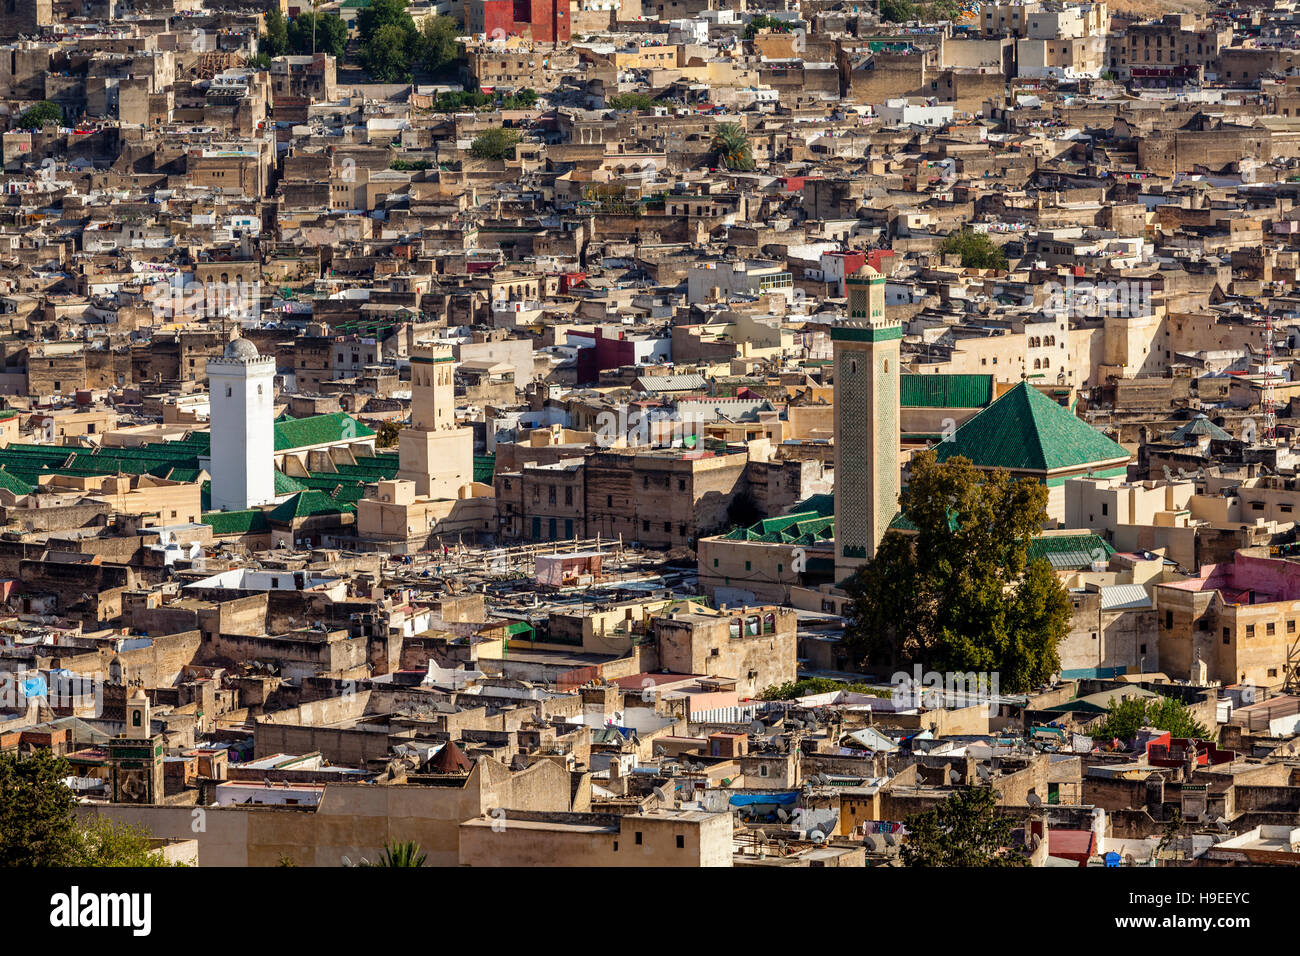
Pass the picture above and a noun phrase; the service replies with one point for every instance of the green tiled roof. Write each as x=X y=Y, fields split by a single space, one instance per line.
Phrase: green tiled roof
x=945 y=391
x=318 y=430
x=1024 y=430
x=183 y=474
x=1198 y=426
x=815 y=521
x=176 y=460
x=901 y=522
x=236 y=522
x=307 y=503
x=284 y=485
x=21 y=466
x=484 y=467
x=12 y=483
x=1070 y=552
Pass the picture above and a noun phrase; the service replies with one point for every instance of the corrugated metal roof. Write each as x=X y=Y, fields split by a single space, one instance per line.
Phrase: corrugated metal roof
x=1117 y=597
x=671 y=383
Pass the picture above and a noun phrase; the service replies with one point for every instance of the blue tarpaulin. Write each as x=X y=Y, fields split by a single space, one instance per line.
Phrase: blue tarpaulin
x=782 y=797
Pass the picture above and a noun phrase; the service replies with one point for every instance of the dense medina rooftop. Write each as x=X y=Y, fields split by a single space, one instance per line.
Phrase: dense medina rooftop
x=550 y=436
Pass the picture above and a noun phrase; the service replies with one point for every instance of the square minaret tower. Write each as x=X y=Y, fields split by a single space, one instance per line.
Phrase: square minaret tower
x=242 y=392
x=867 y=440
x=433 y=451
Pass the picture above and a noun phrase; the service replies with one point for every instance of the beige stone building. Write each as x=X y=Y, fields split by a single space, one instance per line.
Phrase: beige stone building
x=658 y=838
x=754 y=645
x=1235 y=622
x=355 y=821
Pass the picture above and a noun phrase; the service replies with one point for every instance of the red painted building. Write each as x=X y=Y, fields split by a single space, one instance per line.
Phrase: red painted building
x=542 y=21
x=876 y=259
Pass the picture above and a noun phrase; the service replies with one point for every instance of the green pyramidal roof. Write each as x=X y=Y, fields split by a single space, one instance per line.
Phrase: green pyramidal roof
x=1024 y=430
x=1200 y=425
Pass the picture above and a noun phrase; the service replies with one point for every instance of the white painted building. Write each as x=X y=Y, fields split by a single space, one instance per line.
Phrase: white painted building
x=903 y=112
x=241 y=385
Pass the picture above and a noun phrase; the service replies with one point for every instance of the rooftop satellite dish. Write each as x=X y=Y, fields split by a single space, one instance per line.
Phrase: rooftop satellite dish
x=782 y=815
x=874 y=843
x=891 y=839
x=1034 y=799
x=663 y=794
x=817 y=836
x=757 y=728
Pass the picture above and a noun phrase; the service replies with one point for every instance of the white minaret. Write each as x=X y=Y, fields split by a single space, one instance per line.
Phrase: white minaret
x=242 y=386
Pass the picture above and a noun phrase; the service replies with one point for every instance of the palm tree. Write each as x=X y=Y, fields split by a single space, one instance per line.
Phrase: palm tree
x=731 y=146
x=406 y=853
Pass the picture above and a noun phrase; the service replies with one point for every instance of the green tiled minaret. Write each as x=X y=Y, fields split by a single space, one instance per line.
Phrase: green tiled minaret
x=866 y=422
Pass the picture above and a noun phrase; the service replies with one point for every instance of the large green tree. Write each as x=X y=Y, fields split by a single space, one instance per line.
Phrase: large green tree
x=897 y=11
x=38 y=826
x=494 y=143
x=439 y=44
x=960 y=594
x=964 y=830
x=389 y=41
x=275 y=41
x=1125 y=717
x=104 y=843
x=37 y=116
x=634 y=102
x=331 y=34
x=976 y=249
x=764 y=22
